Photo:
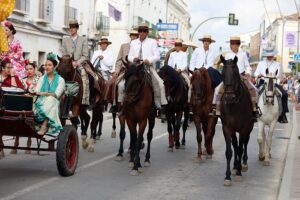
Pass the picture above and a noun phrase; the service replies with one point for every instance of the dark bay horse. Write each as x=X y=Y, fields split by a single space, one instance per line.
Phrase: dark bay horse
x=137 y=110
x=69 y=73
x=177 y=93
x=201 y=102
x=236 y=116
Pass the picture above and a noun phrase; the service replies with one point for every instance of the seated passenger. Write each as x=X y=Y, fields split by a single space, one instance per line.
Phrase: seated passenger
x=50 y=87
x=8 y=77
x=31 y=77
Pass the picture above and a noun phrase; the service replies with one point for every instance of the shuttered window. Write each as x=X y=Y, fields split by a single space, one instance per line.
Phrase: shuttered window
x=22 y=5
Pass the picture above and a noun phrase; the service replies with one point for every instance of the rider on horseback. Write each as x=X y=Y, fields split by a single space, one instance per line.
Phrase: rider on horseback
x=244 y=70
x=272 y=67
x=178 y=60
x=145 y=49
x=77 y=46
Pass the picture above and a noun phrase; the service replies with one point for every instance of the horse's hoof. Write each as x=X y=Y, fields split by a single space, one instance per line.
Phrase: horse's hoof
x=97 y=137
x=147 y=164
x=27 y=151
x=197 y=160
x=182 y=147
x=233 y=172
x=119 y=158
x=113 y=134
x=130 y=165
x=208 y=156
x=85 y=145
x=134 y=173
x=261 y=158
x=227 y=182
x=14 y=151
x=238 y=178
x=244 y=167
x=140 y=170
x=143 y=145
x=177 y=146
x=170 y=149
x=91 y=149
x=204 y=152
x=266 y=163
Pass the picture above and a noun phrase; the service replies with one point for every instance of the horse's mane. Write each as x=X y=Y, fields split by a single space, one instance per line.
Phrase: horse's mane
x=130 y=71
x=173 y=78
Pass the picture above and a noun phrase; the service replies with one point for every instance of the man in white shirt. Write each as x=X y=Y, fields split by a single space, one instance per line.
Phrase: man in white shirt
x=245 y=72
x=273 y=67
x=146 y=49
x=103 y=59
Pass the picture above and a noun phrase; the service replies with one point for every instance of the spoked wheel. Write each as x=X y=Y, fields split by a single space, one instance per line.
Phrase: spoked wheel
x=67 y=151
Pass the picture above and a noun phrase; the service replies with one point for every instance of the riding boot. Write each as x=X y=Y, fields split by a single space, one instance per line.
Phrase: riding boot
x=256 y=113
x=282 y=119
x=213 y=112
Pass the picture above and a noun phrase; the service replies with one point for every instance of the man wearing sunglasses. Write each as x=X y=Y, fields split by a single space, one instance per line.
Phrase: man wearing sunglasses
x=145 y=49
x=245 y=72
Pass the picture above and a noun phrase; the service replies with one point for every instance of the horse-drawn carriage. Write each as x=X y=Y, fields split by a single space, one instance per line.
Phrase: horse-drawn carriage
x=17 y=120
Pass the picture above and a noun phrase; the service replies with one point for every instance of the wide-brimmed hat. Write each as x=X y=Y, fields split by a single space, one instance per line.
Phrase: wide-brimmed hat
x=143 y=26
x=104 y=41
x=235 y=38
x=207 y=37
x=178 y=42
x=269 y=51
x=73 y=22
x=133 y=32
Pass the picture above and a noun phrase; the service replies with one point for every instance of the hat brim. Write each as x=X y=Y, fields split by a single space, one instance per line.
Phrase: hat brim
x=269 y=54
x=211 y=40
x=143 y=28
x=108 y=43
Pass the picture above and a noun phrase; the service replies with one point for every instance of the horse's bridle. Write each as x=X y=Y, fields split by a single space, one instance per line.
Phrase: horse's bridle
x=269 y=95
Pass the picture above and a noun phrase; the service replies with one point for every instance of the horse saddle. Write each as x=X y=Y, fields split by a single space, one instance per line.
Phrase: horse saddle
x=93 y=73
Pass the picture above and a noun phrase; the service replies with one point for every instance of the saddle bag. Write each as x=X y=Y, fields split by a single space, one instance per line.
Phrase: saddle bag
x=72 y=89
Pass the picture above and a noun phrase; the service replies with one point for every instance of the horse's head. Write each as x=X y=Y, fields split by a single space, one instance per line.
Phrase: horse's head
x=171 y=79
x=201 y=84
x=65 y=67
x=231 y=78
x=270 y=81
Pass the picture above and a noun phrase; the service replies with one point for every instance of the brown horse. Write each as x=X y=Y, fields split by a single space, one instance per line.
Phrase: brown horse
x=177 y=92
x=138 y=109
x=201 y=102
x=69 y=73
x=236 y=116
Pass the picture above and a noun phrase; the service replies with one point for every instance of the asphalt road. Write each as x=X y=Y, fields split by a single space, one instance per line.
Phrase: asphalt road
x=172 y=175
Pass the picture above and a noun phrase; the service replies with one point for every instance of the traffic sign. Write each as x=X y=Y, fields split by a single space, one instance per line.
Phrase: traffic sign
x=167 y=26
x=296 y=57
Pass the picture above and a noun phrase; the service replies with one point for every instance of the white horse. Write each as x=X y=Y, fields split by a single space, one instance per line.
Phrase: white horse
x=270 y=112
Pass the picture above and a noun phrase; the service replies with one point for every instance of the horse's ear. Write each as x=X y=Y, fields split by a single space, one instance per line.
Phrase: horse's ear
x=267 y=71
x=276 y=72
x=222 y=59
x=125 y=62
x=235 y=59
x=59 y=58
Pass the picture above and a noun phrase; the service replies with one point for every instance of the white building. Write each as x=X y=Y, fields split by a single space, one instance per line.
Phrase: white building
x=41 y=24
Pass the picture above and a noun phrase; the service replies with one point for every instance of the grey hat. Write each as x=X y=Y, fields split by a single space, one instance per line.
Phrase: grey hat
x=269 y=51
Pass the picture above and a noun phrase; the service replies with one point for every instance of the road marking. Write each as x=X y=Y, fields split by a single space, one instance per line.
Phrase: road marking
x=276 y=129
x=51 y=180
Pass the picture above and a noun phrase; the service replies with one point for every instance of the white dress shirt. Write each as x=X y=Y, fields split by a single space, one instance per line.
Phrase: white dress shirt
x=242 y=63
x=107 y=61
x=201 y=58
x=178 y=59
x=149 y=50
x=273 y=66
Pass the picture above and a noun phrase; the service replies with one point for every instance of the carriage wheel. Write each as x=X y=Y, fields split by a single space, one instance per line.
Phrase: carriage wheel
x=67 y=151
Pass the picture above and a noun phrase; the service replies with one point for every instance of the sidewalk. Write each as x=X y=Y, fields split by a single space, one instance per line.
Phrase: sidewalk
x=290 y=185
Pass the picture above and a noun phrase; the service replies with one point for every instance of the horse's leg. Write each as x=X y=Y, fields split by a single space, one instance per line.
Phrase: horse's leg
x=207 y=129
x=170 y=131
x=149 y=139
x=184 y=126
x=137 y=161
x=269 y=143
x=197 y=122
x=133 y=138
x=228 y=134
x=84 y=126
x=113 y=133
x=28 y=151
x=261 y=141
x=94 y=123
x=16 y=145
x=122 y=137
x=239 y=152
x=1 y=148
x=177 y=129
x=100 y=122
x=235 y=147
x=245 y=154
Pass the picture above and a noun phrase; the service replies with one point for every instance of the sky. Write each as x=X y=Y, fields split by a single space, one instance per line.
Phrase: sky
x=249 y=13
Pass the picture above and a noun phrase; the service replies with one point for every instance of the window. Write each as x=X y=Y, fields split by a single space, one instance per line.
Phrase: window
x=102 y=24
x=22 y=5
x=72 y=13
x=46 y=10
x=42 y=58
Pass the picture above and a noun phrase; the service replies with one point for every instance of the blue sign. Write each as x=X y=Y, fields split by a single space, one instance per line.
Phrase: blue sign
x=167 y=26
x=296 y=56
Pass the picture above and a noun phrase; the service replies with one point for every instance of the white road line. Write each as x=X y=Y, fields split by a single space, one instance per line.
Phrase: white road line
x=51 y=180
